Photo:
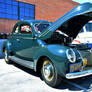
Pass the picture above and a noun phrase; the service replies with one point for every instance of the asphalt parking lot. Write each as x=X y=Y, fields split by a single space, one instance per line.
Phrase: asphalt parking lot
x=16 y=78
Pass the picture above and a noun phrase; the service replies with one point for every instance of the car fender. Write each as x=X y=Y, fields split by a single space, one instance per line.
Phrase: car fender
x=56 y=53
x=7 y=46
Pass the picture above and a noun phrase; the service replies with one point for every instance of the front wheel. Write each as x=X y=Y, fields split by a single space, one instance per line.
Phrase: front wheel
x=49 y=73
x=6 y=57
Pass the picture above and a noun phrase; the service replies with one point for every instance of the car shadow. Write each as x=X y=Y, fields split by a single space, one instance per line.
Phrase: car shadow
x=84 y=84
x=65 y=84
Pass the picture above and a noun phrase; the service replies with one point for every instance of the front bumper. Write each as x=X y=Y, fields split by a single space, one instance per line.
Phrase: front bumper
x=78 y=74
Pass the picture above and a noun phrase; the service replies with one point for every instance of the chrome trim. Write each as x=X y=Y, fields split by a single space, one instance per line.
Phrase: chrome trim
x=28 y=64
x=78 y=74
x=29 y=38
x=69 y=56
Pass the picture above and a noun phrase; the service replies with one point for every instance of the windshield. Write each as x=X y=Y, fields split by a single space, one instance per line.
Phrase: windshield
x=88 y=27
x=41 y=26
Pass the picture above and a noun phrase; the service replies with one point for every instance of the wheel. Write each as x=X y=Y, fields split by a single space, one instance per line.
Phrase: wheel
x=49 y=73
x=6 y=57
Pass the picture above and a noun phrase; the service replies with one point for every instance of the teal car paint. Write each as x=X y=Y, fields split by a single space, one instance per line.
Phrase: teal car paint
x=46 y=46
x=55 y=55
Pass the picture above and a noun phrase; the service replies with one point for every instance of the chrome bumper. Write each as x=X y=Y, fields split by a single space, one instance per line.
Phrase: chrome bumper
x=78 y=74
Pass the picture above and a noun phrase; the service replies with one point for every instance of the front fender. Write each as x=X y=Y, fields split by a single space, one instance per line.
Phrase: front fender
x=56 y=53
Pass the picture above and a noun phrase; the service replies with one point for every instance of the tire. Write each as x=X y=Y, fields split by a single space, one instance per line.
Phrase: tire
x=49 y=73
x=6 y=57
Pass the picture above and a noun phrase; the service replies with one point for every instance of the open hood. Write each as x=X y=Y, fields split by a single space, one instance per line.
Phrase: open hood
x=71 y=23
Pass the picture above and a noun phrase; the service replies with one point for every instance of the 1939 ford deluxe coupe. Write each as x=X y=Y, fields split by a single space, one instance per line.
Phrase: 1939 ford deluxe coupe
x=46 y=46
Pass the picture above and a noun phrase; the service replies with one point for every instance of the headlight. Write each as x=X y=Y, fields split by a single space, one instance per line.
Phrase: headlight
x=71 y=55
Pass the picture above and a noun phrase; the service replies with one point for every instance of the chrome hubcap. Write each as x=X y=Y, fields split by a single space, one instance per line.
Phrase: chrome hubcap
x=48 y=71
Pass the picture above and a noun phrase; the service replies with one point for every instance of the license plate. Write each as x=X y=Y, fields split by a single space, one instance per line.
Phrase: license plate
x=75 y=67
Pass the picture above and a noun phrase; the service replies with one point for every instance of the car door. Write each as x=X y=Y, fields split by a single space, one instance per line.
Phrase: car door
x=13 y=39
x=25 y=42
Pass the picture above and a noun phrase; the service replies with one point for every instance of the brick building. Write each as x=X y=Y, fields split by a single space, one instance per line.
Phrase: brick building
x=49 y=10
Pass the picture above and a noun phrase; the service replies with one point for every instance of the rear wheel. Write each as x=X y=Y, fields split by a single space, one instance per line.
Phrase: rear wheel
x=6 y=57
x=49 y=73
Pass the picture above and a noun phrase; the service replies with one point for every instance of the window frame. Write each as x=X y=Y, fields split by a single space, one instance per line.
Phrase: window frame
x=25 y=32
x=13 y=32
x=8 y=13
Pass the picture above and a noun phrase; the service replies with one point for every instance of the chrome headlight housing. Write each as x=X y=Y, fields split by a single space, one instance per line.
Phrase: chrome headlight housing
x=71 y=55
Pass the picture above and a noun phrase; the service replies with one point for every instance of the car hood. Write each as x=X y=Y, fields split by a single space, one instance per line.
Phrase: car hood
x=71 y=23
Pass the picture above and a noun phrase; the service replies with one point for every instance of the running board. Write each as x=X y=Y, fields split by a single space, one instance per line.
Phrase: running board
x=28 y=64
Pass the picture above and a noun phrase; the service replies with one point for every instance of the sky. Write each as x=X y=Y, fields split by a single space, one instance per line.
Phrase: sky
x=82 y=1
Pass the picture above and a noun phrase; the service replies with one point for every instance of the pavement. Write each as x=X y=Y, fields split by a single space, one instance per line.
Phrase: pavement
x=16 y=78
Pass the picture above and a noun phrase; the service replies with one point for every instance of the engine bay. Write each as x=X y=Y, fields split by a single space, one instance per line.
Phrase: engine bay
x=58 y=38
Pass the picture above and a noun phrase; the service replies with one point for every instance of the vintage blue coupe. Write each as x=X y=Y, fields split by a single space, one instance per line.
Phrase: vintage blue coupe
x=46 y=47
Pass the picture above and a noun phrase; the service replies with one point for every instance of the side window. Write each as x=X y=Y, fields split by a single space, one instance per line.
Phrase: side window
x=16 y=30
x=25 y=29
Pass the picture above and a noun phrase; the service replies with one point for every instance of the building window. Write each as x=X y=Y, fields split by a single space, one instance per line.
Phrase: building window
x=12 y=9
